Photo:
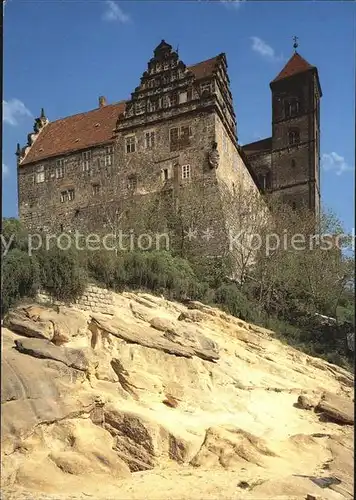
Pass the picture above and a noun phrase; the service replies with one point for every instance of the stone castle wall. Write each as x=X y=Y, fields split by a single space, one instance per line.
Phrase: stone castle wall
x=94 y=299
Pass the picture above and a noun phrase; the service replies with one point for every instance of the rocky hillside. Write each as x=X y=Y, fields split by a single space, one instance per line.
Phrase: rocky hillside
x=161 y=401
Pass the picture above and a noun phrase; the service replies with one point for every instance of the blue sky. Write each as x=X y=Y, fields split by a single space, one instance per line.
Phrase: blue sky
x=61 y=55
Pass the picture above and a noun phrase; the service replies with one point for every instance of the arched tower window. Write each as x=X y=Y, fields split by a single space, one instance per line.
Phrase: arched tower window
x=291 y=107
x=264 y=181
x=293 y=137
x=294 y=205
x=293 y=163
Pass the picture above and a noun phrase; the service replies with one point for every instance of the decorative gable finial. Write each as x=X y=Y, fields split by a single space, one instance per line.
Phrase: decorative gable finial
x=296 y=44
x=43 y=113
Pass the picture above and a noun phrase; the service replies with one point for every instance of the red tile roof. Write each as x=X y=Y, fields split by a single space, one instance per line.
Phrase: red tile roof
x=91 y=128
x=76 y=132
x=296 y=64
x=205 y=68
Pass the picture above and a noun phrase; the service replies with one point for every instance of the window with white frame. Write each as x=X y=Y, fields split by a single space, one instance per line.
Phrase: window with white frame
x=86 y=161
x=40 y=174
x=109 y=151
x=150 y=139
x=185 y=171
x=180 y=133
x=60 y=168
x=182 y=97
x=130 y=144
x=152 y=105
x=96 y=189
x=67 y=195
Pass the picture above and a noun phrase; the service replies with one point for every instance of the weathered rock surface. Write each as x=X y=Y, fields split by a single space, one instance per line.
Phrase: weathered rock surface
x=166 y=401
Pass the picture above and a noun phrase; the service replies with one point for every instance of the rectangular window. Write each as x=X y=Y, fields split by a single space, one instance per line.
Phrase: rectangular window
x=182 y=97
x=185 y=132
x=86 y=161
x=181 y=133
x=140 y=106
x=130 y=144
x=132 y=183
x=174 y=135
x=165 y=174
x=40 y=174
x=109 y=151
x=150 y=139
x=152 y=105
x=60 y=168
x=173 y=99
x=205 y=88
x=67 y=195
x=96 y=189
x=185 y=171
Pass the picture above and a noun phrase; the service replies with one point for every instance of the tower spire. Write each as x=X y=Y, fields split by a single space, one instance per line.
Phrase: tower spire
x=295 y=45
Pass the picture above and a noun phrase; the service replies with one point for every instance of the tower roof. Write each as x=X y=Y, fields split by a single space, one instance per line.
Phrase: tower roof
x=295 y=65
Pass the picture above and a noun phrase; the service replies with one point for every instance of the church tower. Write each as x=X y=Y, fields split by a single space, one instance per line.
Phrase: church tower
x=295 y=162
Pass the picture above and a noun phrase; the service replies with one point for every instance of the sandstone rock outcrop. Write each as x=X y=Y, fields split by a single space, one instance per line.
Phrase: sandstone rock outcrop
x=163 y=400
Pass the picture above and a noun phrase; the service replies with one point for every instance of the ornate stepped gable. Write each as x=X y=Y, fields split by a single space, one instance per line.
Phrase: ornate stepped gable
x=168 y=83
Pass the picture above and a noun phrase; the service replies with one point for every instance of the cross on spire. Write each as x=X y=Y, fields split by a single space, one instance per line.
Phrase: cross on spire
x=295 y=45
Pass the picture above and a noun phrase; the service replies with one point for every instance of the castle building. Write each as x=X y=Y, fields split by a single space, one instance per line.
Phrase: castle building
x=177 y=129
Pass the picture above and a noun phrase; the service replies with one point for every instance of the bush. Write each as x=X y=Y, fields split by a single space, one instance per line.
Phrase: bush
x=20 y=277
x=14 y=234
x=102 y=267
x=233 y=301
x=62 y=275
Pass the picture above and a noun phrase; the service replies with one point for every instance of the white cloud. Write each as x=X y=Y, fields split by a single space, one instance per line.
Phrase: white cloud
x=333 y=162
x=5 y=170
x=265 y=50
x=13 y=111
x=232 y=4
x=115 y=13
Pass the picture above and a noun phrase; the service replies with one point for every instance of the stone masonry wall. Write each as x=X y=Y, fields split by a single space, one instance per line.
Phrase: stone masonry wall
x=94 y=299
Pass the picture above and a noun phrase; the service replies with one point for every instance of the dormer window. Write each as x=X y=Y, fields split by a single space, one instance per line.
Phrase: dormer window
x=292 y=107
x=293 y=137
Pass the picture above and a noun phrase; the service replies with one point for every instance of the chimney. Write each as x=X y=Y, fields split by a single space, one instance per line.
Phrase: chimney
x=102 y=101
